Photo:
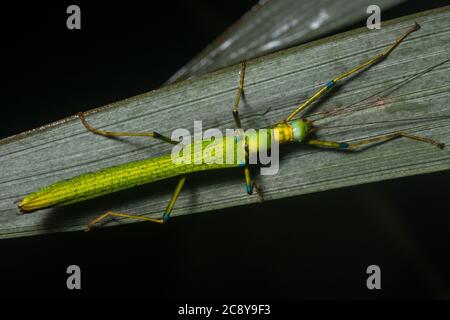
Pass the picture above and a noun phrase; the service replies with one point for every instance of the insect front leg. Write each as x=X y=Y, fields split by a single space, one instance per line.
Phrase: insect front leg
x=357 y=145
x=330 y=84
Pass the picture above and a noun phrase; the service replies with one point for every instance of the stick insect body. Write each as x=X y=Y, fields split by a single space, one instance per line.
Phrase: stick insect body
x=109 y=180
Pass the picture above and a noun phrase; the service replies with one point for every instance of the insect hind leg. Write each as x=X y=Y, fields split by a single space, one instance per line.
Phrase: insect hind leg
x=165 y=217
x=120 y=215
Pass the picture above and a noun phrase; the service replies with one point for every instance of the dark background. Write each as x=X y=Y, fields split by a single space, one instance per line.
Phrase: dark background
x=313 y=246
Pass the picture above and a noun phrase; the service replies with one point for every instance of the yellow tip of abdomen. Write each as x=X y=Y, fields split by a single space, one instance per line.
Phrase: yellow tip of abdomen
x=30 y=204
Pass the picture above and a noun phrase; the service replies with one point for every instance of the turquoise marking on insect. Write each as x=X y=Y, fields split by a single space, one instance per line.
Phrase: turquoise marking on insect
x=330 y=84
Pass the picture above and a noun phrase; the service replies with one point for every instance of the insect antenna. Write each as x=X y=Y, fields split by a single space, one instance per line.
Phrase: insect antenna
x=418 y=119
x=359 y=105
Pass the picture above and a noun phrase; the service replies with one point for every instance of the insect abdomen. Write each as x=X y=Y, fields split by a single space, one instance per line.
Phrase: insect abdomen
x=109 y=180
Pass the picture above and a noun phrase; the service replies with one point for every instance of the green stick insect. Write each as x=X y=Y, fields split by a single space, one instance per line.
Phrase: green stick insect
x=109 y=180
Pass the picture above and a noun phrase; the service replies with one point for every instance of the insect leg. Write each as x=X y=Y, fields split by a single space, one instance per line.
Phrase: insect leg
x=251 y=184
x=239 y=93
x=104 y=133
x=163 y=219
x=258 y=191
x=330 y=84
x=121 y=215
x=237 y=119
x=385 y=138
x=174 y=198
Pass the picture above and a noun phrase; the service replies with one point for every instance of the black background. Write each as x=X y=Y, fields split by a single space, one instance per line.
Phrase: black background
x=313 y=246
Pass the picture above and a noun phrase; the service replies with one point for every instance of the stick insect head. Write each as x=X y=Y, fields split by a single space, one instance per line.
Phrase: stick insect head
x=300 y=129
x=293 y=131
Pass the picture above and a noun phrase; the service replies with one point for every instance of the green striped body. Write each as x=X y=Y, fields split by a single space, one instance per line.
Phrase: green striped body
x=226 y=152
x=132 y=174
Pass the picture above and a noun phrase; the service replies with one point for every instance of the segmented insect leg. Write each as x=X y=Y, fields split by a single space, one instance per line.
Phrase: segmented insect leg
x=174 y=198
x=385 y=138
x=165 y=217
x=239 y=93
x=258 y=191
x=121 y=215
x=330 y=84
x=104 y=133
x=237 y=119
